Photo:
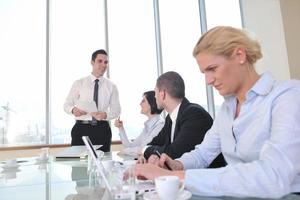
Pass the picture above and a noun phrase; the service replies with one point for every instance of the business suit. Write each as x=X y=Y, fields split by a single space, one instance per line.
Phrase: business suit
x=191 y=125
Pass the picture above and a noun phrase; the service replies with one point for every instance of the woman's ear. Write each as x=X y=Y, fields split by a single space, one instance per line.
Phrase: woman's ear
x=240 y=55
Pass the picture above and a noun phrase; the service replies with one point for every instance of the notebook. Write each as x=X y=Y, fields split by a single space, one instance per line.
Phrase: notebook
x=141 y=187
x=73 y=152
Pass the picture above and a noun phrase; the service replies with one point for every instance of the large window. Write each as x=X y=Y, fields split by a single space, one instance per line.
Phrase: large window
x=22 y=72
x=180 y=30
x=76 y=29
x=132 y=58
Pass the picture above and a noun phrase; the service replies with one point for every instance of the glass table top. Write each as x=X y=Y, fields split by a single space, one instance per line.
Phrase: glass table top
x=52 y=179
x=61 y=179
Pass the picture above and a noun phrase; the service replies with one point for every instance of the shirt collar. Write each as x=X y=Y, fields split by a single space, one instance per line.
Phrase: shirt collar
x=263 y=86
x=174 y=113
x=93 y=78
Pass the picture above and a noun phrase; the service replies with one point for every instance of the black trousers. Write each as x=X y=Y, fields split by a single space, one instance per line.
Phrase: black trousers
x=98 y=134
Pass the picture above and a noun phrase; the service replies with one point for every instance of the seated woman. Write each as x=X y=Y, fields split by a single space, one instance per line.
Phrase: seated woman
x=257 y=128
x=152 y=126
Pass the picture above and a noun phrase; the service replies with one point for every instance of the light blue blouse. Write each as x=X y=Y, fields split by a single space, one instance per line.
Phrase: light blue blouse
x=261 y=145
x=151 y=129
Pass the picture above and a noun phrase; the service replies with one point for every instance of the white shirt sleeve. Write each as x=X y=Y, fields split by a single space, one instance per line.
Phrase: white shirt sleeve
x=143 y=139
x=71 y=98
x=150 y=135
x=124 y=138
x=114 y=105
x=205 y=152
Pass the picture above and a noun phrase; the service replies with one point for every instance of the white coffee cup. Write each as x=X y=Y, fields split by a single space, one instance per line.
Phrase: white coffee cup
x=168 y=187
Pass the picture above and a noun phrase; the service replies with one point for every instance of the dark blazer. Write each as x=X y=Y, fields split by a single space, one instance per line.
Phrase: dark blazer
x=192 y=123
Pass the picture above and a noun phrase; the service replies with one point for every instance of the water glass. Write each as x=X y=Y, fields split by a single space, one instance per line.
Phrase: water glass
x=123 y=181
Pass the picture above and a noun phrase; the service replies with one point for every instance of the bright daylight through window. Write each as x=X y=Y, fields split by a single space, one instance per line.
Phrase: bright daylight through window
x=75 y=32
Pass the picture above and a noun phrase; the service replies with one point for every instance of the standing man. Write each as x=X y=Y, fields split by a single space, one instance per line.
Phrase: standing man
x=93 y=89
x=185 y=125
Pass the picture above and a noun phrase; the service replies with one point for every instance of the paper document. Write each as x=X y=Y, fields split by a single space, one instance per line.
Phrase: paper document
x=87 y=106
x=74 y=152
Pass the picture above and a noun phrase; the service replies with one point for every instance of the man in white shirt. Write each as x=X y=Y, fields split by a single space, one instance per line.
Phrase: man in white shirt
x=93 y=100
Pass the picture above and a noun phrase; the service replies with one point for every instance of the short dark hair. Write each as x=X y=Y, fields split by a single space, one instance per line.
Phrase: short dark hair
x=150 y=96
x=100 y=51
x=173 y=83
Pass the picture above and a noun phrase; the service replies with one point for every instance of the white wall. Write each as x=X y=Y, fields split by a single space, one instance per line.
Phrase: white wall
x=264 y=18
x=290 y=10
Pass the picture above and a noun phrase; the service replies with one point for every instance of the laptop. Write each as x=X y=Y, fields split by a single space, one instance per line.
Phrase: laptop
x=141 y=187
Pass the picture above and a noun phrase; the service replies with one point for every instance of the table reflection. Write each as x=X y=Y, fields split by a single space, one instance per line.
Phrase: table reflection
x=65 y=179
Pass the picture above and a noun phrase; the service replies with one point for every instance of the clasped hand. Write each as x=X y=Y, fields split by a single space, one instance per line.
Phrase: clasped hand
x=161 y=162
x=99 y=115
x=78 y=112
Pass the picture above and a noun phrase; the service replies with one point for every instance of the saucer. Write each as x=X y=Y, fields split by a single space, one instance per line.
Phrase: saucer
x=154 y=196
x=10 y=167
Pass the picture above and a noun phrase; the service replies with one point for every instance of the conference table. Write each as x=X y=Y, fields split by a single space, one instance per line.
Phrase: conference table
x=63 y=179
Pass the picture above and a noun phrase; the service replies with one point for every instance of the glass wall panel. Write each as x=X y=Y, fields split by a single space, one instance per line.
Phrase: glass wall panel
x=22 y=72
x=77 y=30
x=225 y=13
x=132 y=58
x=180 y=30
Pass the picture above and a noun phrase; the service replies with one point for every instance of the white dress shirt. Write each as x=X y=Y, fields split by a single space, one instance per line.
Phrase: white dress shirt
x=261 y=145
x=83 y=91
x=151 y=129
x=173 y=116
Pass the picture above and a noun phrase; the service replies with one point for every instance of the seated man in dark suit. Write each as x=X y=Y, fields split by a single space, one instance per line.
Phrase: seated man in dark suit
x=185 y=124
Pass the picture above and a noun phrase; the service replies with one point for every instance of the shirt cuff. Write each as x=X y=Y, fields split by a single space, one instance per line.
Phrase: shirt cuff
x=203 y=182
x=186 y=162
x=71 y=110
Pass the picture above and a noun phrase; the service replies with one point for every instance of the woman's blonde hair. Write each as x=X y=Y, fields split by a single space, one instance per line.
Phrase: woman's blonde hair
x=223 y=40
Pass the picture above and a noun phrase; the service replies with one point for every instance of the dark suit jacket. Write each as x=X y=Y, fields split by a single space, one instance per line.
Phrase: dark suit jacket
x=191 y=125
